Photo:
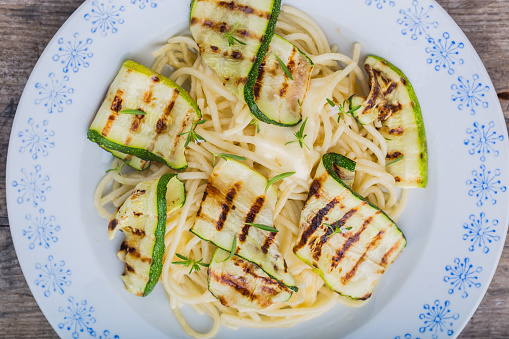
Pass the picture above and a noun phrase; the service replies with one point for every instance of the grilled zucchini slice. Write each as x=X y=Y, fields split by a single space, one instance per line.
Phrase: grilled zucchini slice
x=238 y=282
x=352 y=261
x=393 y=101
x=246 y=63
x=142 y=218
x=235 y=196
x=131 y=160
x=168 y=108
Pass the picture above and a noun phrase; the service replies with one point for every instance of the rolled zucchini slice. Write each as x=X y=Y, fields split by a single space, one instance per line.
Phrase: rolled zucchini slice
x=166 y=110
x=142 y=218
x=235 y=197
x=352 y=259
x=131 y=160
x=240 y=283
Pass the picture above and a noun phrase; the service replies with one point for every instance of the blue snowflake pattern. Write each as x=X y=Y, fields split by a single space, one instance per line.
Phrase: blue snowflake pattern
x=54 y=94
x=485 y=186
x=153 y=3
x=480 y=232
x=483 y=140
x=36 y=139
x=406 y=336
x=105 y=17
x=462 y=276
x=106 y=335
x=41 y=230
x=470 y=95
x=77 y=318
x=74 y=54
x=416 y=21
x=438 y=318
x=444 y=53
x=53 y=276
x=32 y=187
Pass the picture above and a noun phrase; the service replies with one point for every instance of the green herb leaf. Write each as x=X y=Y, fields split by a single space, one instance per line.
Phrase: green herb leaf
x=226 y=156
x=118 y=169
x=387 y=139
x=194 y=264
x=330 y=102
x=264 y=227
x=395 y=161
x=298 y=101
x=336 y=229
x=192 y=135
x=300 y=136
x=231 y=39
x=283 y=66
x=256 y=123
x=132 y=111
x=232 y=251
x=278 y=178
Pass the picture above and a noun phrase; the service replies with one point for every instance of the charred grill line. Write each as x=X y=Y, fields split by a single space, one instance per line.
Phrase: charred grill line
x=223 y=27
x=232 y=6
x=251 y=215
x=259 y=80
x=340 y=254
x=225 y=207
x=268 y=242
x=162 y=122
x=314 y=224
x=384 y=262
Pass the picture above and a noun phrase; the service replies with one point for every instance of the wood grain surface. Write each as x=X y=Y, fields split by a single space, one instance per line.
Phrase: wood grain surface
x=26 y=26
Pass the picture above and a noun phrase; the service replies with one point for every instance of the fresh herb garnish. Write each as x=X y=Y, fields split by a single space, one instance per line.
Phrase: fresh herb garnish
x=278 y=178
x=232 y=251
x=283 y=66
x=300 y=103
x=395 y=161
x=342 y=108
x=226 y=157
x=256 y=123
x=387 y=139
x=231 y=38
x=194 y=264
x=336 y=229
x=133 y=112
x=300 y=136
x=264 y=227
x=118 y=169
x=192 y=135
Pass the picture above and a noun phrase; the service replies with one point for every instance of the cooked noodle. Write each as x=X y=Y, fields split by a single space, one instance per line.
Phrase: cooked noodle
x=228 y=130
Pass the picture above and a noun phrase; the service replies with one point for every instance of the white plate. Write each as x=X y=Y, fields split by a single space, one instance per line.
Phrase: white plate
x=455 y=228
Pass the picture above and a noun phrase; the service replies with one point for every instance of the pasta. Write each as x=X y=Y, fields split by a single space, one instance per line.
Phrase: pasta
x=229 y=129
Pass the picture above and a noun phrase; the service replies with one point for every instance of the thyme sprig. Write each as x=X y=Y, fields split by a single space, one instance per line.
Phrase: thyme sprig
x=283 y=66
x=264 y=227
x=226 y=156
x=300 y=136
x=278 y=178
x=132 y=111
x=187 y=262
x=336 y=229
x=192 y=135
x=118 y=169
x=231 y=39
x=233 y=250
x=342 y=107
x=395 y=160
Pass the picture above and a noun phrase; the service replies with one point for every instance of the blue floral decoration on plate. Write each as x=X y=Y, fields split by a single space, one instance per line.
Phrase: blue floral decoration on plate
x=444 y=53
x=416 y=21
x=41 y=230
x=36 y=139
x=53 y=276
x=32 y=187
x=74 y=54
x=470 y=94
x=105 y=17
x=438 y=318
x=55 y=94
x=461 y=276
x=480 y=232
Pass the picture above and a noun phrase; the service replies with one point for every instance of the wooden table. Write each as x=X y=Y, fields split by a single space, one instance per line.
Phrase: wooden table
x=26 y=26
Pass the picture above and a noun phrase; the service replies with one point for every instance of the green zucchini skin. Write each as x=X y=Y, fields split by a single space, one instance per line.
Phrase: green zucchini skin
x=257 y=289
x=132 y=161
x=142 y=218
x=404 y=131
x=350 y=262
x=154 y=136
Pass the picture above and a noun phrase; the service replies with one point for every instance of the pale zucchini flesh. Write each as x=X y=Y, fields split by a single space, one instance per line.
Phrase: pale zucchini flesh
x=142 y=218
x=235 y=196
x=350 y=262
x=240 y=283
x=131 y=160
x=404 y=128
x=153 y=136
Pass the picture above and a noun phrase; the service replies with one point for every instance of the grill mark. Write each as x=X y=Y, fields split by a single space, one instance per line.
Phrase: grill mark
x=241 y=81
x=340 y=254
x=137 y=214
x=384 y=263
x=112 y=224
x=282 y=91
x=214 y=49
x=129 y=268
x=258 y=84
x=396 y=107
x=403 y=81
x=198 y=214
x=225 y=207
x=394 y=155
x=147 y=97
x=135 y=231
x=314 y=224
x=135 y=126
x=267 y=280
x=396 y=131
x=251 y=215
x=232 y=6
x=313 y=190
x=116 y=105
x=397 y=179
x=317 y=250
x=222 y=27
x=391 y=88
x=155 y=78
x=230 y=280
x=291 y=62
x=374 y=243
x=237 y=55
x=161 y=124
x=268 y=242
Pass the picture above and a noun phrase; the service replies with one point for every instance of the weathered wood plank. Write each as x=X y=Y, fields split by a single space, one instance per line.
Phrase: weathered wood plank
x=26 y=26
